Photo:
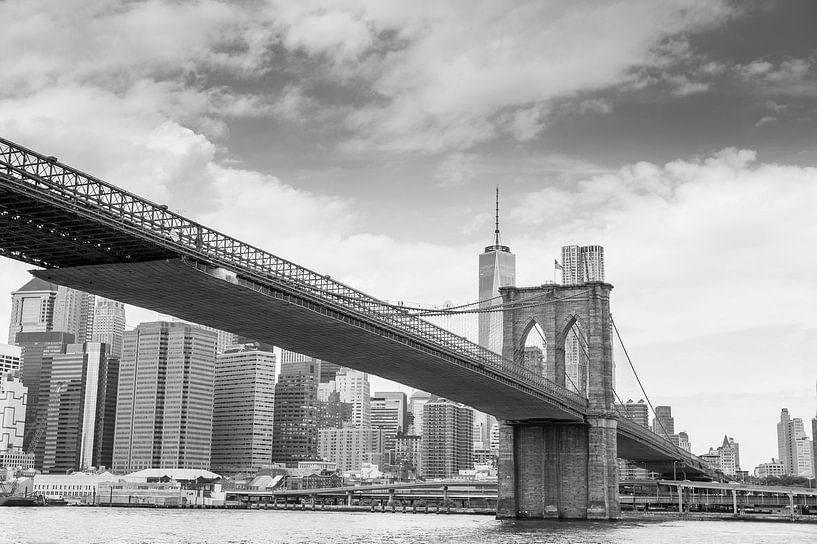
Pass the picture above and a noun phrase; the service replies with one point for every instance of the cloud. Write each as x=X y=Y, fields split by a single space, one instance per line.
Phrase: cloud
x=765 y=120
x=708 y=233
x=456 y=170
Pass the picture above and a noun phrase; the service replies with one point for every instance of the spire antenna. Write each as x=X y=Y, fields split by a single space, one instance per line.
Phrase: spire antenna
x=496 y=231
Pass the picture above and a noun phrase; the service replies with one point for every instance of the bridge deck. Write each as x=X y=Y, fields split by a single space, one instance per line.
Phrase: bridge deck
x=178 y=288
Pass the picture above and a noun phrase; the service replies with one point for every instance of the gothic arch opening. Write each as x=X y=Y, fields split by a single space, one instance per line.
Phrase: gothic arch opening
x=534 y=349
x=576 y=361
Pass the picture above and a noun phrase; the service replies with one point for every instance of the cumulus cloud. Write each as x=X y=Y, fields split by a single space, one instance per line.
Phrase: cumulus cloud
x=706 y=232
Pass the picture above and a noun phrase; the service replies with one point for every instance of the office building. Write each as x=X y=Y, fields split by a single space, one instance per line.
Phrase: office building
x=386 y=417
x=79 y=423
x=13 y=398
x=663 y=423
x=793 y=446
x=32 y=308
x=417 y=402
x=349 y=447
x=164 y=412
x=243 y=409
x=224 y=339
x=447 y=444
x=10 y=357
x=295 y=429
x=638 y=412
x=109 y=325
x=353 y=387
x=37 y=352
x=497 y=268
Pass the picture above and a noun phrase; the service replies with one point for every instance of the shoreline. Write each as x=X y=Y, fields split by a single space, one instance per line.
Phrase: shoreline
x=657 y=516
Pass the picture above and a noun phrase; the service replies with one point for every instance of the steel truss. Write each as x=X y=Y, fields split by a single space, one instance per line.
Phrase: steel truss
x=52 y=215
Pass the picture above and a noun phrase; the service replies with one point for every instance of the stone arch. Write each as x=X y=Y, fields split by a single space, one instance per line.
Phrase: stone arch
x=531 y=338
x=574 y=336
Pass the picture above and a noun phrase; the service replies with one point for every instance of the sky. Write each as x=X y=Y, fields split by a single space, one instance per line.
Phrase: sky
x=364 y=139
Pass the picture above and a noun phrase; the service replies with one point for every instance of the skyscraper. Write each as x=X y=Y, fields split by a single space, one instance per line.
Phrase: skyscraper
x=164 y=412
x=663 y=423
x=447 y=444
x=353 y=387
x=386 y=417
x=32 y=308
x=497 y=268
x=295 y=429
x=79 y=425
x=38 y=351
x=636 y=411
x=581 y=264
x=109 y=325
x=794 y=448
x=243 y=409
x=40 y=306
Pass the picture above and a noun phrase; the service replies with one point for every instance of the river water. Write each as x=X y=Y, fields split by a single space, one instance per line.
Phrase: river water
x=132 y=525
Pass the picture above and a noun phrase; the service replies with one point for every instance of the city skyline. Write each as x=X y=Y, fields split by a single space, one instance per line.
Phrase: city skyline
x=688 y=157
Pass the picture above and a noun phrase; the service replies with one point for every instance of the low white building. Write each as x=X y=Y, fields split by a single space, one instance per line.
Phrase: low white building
x=775 y=468
x=78 y=487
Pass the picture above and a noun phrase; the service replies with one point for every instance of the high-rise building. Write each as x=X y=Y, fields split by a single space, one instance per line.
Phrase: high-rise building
x=349 y=447
x=663 y=423
x=386 y=417
x=636 y=411
x=295 y=429
x=32 y=308
x=40 y=306
x=417 y=403
x=243 y=409
x=397 y=399
x=497 y=268
x=13 y=398
x=109 y=325
x=164 y=412
x=794 y=448
x=223 y=338
x=38 y=351
x=447 y=444
x=729 y=456
x=582 y=264
x=79 y=426
x=353 y=387
x=10 y=357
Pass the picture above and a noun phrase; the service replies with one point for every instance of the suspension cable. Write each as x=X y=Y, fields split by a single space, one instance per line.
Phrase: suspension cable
x=638 y=379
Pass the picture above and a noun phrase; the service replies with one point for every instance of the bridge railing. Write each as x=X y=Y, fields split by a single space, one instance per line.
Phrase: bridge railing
x=86 y=195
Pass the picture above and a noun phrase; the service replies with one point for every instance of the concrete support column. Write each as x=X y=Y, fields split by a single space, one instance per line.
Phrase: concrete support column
x=349 y=496
x=680 y=500
x=735 y=502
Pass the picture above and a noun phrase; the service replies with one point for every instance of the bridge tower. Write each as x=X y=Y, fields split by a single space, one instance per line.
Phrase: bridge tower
x=561 y=469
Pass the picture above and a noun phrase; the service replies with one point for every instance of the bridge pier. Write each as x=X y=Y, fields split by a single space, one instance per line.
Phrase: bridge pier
x=558 y=470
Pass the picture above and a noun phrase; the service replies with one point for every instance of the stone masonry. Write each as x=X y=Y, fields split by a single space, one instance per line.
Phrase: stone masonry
x=561 y=469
